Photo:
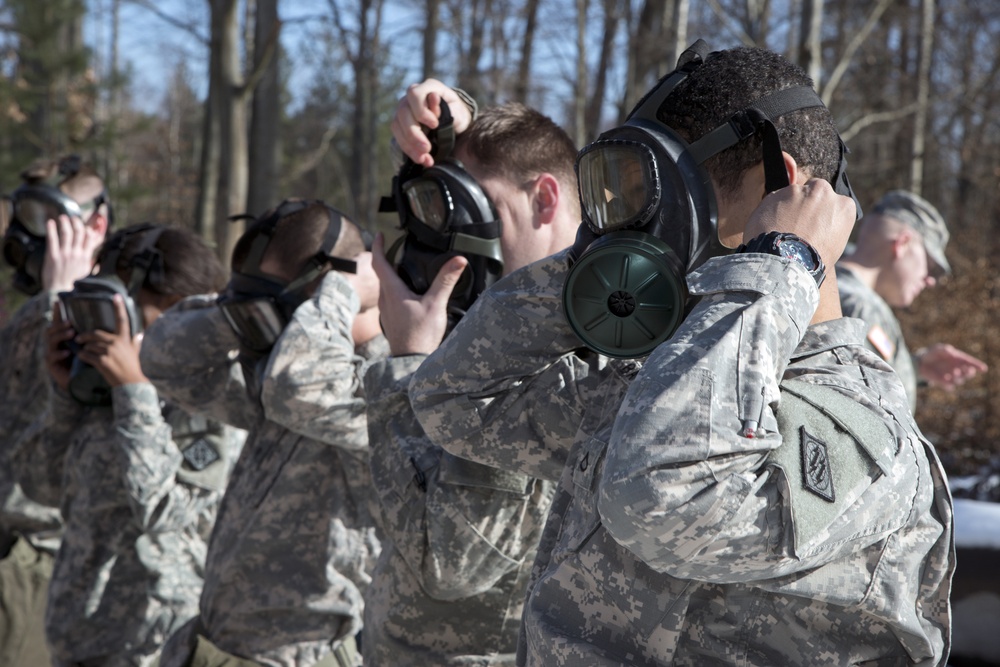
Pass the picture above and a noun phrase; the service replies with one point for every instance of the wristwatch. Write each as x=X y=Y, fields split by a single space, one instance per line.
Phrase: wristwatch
x=790 y=246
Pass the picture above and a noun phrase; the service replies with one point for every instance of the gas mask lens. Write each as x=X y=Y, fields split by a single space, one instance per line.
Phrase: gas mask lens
x=618 y=184
x=34 y=211
x=430 y=202
x=257 y=321
x=90 y=313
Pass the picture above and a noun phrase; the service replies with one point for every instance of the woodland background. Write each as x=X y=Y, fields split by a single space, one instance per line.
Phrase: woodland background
x=198 y=109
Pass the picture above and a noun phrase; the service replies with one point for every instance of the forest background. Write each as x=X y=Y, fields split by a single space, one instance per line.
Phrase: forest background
x=195 y=110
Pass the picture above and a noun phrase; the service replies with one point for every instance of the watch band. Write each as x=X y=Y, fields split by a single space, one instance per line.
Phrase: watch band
x=789 y=246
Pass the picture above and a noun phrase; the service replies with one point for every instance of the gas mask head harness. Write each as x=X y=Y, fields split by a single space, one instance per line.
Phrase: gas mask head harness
x=444 y=212
x=90 y=306
x=651 y=205
x=33 y=204
x=258 y=305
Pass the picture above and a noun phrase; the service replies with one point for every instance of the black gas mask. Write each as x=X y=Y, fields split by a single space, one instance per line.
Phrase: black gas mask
x=32 y=205
x=258 y=305
x=90 y=306
x=444 y=212
x=649 y=201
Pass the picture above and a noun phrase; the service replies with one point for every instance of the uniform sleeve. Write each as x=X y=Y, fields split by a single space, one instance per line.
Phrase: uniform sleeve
x=682 y=487
x=311 y=381
x=37 y=457
x=24 y=383
x=506 y=388
x=189 y=355
x=459 y=525
x=152 y=462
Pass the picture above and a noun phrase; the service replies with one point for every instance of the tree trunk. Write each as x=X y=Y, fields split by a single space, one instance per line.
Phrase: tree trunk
x=527 y=44
x=430 y=38
x=266 y=115
x=681 y=11
x=612 y=17
x=580 y=86
x=923 y=96
x=223 y=180
x=810 y=40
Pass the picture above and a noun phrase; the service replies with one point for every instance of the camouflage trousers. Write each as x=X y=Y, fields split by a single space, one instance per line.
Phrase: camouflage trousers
x=24 y=585
x=207 y=654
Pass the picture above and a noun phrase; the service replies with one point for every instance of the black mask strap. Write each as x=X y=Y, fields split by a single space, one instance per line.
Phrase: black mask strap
x=322 y=259
x=146 y=262
x=443 y=136
x=761 y=115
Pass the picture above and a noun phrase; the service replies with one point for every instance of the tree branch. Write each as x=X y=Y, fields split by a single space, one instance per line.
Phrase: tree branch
x=852 y=48
x=873 y=118
x=732 y=25
x=260 y=69
x=314 y=158
x=190 y=27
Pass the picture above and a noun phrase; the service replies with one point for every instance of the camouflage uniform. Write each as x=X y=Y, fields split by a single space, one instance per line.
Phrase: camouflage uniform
x=30 y=531
x=674 y=540
x=449 y=585
x=884 y=336
x=138 y=484
x=25 y=395
x=293 y=546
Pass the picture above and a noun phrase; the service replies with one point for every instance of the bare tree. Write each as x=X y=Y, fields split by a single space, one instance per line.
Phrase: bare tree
x=580 y=81
x=430 y=38
x=265 y=121
x=810 y=47
x=527 y=45
x=612 y=18
x=223 y=177
x=361 y=48
x=923 y=95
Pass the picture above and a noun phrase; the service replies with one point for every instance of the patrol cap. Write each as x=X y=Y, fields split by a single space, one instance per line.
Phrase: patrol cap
x=919 y=214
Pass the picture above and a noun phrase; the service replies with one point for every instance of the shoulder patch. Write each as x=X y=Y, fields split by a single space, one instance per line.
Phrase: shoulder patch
x=200 y=454
x=817 y=475
x=881 y=342
x=832 y=448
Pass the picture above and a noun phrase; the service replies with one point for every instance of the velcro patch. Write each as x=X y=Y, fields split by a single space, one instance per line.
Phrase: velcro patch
x=817 y=475
x=200 y=454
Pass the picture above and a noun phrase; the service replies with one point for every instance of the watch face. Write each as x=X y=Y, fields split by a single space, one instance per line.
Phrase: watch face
x=798 y=251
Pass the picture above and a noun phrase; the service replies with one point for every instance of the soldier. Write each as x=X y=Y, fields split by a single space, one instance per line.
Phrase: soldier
x=449 y=585
x=282 y=353
x=59 y=216
x=138 y=483
x=899 y=253
x=756 y=492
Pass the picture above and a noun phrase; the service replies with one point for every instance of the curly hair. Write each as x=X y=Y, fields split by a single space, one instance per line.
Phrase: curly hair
x=730 y=81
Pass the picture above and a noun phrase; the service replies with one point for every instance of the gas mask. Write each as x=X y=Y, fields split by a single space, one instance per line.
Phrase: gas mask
x=651 y=205
x=32 y=205
x=258 y=306
x=90 y=306
x=443 y=213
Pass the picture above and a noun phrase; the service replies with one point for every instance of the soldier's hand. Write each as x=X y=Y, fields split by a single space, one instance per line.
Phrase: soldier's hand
x=414 y=323
x=58 y=357
x=114 y=355
x=69 y=252
x=946 y=366
x=365 y=281
x=813 y=212
x=420 y=108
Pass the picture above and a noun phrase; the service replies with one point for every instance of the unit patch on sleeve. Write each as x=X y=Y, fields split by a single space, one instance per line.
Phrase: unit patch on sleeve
x=200 y=454
x=816 y=473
